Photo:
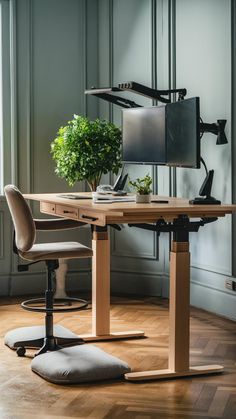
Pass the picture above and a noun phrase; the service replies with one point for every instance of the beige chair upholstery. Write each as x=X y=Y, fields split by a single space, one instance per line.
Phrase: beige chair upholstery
x=25 y=232
x=24 y=245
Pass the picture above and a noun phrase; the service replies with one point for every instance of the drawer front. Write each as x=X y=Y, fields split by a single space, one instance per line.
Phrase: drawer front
x=92 y=217
x=47 y=207
x=67 y=211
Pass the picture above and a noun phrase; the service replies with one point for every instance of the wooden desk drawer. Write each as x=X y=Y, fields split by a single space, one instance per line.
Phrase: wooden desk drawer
x=92 y=217
x=47 y=207
x=67 y=211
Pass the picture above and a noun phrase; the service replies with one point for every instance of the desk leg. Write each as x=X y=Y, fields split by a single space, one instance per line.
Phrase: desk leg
x=101 y=291
x=178 y=365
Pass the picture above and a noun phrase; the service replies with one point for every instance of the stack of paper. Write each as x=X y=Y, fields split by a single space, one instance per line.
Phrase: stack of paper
x=108 y=198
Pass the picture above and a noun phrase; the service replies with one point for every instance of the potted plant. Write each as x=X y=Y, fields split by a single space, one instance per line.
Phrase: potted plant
x=85 y=149
x=142 y=188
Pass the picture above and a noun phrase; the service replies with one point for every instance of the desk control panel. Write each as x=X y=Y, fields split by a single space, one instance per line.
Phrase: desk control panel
x=67 y=211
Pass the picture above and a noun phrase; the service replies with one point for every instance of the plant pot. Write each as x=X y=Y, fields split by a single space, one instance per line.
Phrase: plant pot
x=142 y=199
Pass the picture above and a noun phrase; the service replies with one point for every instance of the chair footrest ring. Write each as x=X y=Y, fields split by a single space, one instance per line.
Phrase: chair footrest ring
x=27 y=305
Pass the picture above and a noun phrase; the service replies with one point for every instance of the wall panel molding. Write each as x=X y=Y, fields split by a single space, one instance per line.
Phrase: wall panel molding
x=216 y=269
x=136 y=283
x=24 y=79
x=233 y=126
x=213 y=300
x=4 y=281
x=13 y=84
x=7 y=151
x=149 y=12
x=207 y=292
x=90 y=52
x=111 y=56
x=85 y=46
x=116 y=251
x=34 y=283
x=2 y=234
x=172 y=76
x=154 y=78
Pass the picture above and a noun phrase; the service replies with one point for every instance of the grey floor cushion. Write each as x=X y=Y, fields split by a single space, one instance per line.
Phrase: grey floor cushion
x=78 y=364
x=29 y=335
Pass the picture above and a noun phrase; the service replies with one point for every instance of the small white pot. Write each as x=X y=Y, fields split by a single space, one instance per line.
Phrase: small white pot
x=142 y=199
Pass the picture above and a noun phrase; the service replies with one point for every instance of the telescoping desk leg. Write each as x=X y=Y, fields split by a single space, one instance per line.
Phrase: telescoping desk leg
x=178 y=365
x=101 y=291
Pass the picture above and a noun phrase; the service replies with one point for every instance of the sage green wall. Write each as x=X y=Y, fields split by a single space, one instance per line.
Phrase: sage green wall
x=54 y=56
x=203 y=62
x=182 y=43
x=58 y=49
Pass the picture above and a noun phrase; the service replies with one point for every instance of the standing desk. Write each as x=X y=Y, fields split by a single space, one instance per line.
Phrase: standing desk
x=177 y=212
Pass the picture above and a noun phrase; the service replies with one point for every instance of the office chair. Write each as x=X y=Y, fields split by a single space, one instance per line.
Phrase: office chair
x=24 y=245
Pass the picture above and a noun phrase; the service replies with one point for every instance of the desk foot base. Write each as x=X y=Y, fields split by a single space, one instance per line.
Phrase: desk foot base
x=112 y=336
x=160 y=374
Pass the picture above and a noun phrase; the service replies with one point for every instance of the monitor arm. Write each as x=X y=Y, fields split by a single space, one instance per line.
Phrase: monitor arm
x=117 y=100
x=140 y=89
x=217 y=128
x=205 y=127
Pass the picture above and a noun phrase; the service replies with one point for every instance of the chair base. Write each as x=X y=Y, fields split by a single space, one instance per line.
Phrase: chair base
x=46 y=305
x=49 y=344
x=33 y=337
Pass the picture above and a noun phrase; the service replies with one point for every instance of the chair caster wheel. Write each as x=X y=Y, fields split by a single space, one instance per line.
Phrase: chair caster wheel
x=21 y=351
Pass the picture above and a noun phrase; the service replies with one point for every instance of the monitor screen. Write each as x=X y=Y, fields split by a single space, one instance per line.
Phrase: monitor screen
x=183 y=133
x=143 y=132
x=163 y=135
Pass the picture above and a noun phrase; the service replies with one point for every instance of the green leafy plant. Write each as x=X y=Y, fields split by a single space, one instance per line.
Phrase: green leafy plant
x=142 y=186
x=85 y=149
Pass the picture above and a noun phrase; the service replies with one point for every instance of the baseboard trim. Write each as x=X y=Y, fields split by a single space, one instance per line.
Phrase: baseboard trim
x=208 y=293
x=4 y=288
x=203 y=295
x=213 y=300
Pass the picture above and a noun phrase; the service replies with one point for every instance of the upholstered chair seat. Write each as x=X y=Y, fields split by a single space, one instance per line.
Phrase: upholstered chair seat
x=48 y=251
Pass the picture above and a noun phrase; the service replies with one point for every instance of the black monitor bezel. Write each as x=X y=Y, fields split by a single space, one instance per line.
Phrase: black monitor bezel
x=166 y=163
x=198 y=136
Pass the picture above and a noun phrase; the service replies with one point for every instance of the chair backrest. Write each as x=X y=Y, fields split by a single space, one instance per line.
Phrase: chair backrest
x=22 y=218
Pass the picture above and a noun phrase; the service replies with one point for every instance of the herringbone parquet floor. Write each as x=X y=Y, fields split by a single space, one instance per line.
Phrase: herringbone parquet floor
x=213 y=340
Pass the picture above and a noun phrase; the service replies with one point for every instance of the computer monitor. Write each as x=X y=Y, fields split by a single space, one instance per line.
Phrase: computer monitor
x=183 y=133
x=163 y=135
x=143 y=133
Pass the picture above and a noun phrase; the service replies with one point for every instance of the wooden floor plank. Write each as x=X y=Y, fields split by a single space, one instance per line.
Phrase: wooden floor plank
x=23 y=394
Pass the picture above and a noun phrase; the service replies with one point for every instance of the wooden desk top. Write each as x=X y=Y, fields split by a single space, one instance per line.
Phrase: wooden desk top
x=122 y=212
x=85 y=210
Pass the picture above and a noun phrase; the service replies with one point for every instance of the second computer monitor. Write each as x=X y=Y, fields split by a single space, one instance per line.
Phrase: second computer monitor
x=163 y=135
